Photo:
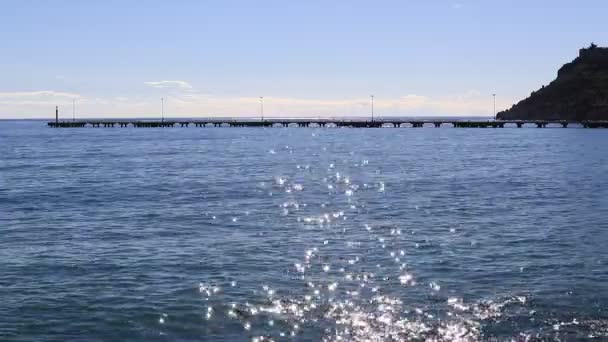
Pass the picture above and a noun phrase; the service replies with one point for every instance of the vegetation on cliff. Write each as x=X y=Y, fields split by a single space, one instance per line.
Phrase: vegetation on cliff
x=580 y=92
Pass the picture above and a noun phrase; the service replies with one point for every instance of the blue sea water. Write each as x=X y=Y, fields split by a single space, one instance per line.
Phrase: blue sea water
x=240 y=234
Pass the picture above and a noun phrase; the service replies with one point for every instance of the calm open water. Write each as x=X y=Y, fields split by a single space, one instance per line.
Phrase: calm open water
x=234 y=234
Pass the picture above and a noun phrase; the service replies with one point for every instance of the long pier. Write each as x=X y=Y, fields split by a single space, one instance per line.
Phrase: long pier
x=354 y=123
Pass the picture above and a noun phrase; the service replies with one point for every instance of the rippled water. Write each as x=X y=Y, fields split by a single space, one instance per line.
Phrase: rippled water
x=303 y=234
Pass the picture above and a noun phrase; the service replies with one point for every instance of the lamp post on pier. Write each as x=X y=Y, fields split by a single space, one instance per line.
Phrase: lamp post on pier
x=494 y=96
x=372 y=96
x=162 y=110
x=262 y=107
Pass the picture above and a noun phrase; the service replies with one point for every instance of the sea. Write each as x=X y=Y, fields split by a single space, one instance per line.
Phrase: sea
x=303 y=234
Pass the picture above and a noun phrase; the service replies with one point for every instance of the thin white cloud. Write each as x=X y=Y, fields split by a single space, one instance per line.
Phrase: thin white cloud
x=469 y=94
x=169 y=84
x=188 y=104
x=37 y=94
x=457 y=6
x=37 y=97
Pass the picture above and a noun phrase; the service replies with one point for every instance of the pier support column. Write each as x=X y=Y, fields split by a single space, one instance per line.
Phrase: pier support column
x=519 y=124
x=564 y=124
x=437 y=124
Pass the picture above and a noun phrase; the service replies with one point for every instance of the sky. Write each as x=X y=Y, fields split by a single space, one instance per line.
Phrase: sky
x=306 y=58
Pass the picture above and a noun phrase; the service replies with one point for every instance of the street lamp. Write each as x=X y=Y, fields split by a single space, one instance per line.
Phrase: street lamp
x=162 y=110
x=372 y=96
x=262 y=106
x=494 y=96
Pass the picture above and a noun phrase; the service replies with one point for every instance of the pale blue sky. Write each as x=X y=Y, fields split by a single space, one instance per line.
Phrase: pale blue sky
x=309 y=58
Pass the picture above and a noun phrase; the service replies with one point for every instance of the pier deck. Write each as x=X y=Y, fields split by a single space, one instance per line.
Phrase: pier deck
x=387 y=122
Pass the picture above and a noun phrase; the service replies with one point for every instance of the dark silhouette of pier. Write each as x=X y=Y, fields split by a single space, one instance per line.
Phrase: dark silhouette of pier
x=354 y=123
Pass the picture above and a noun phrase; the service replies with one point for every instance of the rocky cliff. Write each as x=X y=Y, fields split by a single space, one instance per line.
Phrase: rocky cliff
x=580 y=92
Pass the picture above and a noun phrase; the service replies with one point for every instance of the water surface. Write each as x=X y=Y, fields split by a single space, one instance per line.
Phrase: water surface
x=234 y=234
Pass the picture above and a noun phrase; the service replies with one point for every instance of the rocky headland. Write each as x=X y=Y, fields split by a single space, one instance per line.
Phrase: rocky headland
x=579 y=93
